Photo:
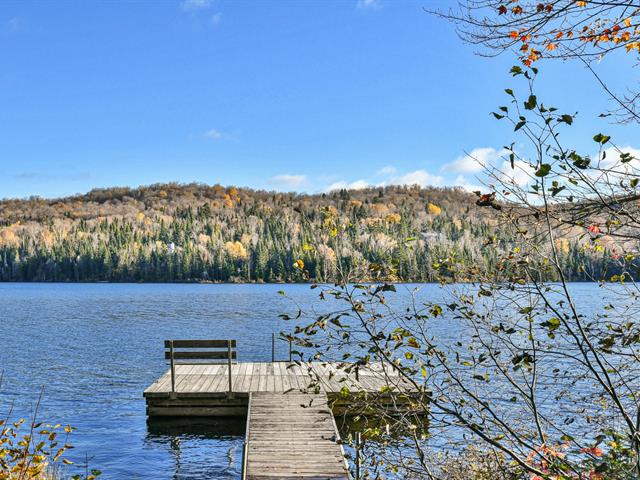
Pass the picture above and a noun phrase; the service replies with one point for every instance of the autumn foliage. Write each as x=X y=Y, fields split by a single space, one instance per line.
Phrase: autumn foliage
x=197 y=232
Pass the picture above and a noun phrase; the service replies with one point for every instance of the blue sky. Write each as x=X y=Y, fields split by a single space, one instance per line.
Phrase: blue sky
x=290 y=95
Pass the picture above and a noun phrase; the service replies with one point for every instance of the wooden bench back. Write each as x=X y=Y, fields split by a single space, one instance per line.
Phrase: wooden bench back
x=208 y=351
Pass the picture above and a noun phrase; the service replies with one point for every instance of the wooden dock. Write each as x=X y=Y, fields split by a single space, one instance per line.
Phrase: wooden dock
x=292 y=436
x=291 y=431
x=203 y=390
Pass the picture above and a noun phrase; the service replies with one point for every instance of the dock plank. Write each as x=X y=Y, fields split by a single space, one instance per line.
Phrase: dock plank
x=293 y=436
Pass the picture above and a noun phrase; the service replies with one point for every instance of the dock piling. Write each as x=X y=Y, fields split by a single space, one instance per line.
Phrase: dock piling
x=173 y=367
x=229 y=356
x=273 y=347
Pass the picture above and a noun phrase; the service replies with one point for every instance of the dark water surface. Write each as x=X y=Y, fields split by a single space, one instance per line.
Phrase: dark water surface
x=95 y=347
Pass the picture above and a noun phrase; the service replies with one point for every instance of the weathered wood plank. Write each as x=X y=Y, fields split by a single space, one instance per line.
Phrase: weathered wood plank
x=292 y=436
x=199 y=343
x=210 y=379
x=201 y=355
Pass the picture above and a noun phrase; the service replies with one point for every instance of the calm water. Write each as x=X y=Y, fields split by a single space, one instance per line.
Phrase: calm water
x=95 y=347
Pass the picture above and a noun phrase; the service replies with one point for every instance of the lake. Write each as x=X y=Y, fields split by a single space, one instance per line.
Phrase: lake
x=96 y=347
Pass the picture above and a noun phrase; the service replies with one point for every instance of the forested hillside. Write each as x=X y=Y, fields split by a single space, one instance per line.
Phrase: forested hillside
x=196 y=232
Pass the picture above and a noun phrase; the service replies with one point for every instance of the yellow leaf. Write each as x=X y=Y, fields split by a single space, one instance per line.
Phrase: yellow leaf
x=433 y=209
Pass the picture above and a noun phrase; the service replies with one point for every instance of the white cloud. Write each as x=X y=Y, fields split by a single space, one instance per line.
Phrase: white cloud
x=519 y=175
x=418 y=177
x=474 y=161
x=193 y=5
x=290 y=181
x=388 y=170
x=342 y=185
x=612 y=156
x=214 y=134
x=370 y=4
x=462 y=181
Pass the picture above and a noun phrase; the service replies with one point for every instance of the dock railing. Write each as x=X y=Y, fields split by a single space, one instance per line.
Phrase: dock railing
x=181 y=352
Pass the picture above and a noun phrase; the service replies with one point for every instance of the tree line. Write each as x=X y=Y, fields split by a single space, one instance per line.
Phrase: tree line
x=197 y=232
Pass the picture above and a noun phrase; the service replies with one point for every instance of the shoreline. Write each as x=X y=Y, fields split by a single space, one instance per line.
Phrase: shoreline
x=199 y=282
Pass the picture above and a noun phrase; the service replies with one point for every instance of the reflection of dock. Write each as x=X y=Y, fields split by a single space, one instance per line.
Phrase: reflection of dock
x=291 y=432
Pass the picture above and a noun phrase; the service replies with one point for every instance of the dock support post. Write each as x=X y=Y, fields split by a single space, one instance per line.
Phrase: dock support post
x=290 y=352
x=358 y=447
x=273 y=347
x=229 y=364
x=173 y=367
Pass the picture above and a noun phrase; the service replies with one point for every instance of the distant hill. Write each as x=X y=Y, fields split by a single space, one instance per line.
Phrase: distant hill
x=196 y=232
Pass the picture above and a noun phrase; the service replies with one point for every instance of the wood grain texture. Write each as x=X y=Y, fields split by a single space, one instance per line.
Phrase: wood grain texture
x=199 y=343
x=292 y=435
x=274 y=377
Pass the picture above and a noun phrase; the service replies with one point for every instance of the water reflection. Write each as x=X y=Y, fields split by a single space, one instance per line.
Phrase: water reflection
x=200 y=447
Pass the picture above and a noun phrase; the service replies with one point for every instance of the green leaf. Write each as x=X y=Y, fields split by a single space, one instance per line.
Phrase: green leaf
x=497 y=115
x=531 y=103
x=508 y=91
x=336 y=322
x=601 y=139
x=568 y=119
x=519 y=125
x=544 y=170
x=516 y=70
x=578 y=161
x=552 y=325
x=626 y=157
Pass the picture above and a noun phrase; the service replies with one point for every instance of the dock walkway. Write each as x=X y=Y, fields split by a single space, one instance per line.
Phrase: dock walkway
x=291 y=431
x=292 y=436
